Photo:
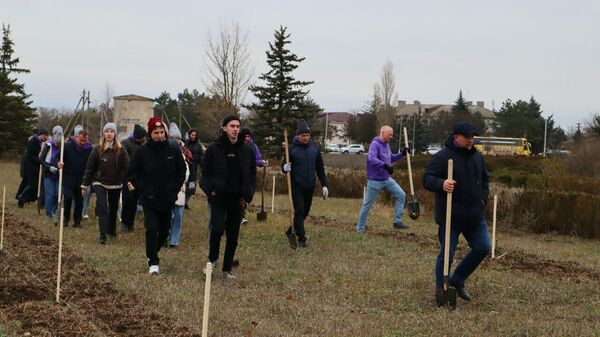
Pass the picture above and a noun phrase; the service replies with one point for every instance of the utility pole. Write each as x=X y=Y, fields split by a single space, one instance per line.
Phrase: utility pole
x=545 y=134
x=326 y=127
x=400 y=136
x=414 y=127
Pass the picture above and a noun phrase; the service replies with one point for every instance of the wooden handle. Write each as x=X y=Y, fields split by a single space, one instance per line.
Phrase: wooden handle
x=2 y=229
x=448 y=224
x=494 y=227
x=206 y=299
x=412 y=188
x=289 y=179
x=61 y=208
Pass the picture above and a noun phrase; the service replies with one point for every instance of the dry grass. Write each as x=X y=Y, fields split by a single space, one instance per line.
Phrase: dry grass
x=343 y=284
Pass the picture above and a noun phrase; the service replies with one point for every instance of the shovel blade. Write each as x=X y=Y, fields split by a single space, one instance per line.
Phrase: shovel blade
x=445 y=298
x=414 y=209
x=262 y=216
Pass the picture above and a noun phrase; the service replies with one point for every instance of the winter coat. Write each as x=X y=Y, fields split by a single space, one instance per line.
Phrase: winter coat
x=228 y=171
x=307 y=164
x=32 y=162
x=157 y=172
x=380 y=154
x=75 y=160
x=471 y=190
x=106 y=170
x=131 y=145
x=49 y=158
x=181 y=194
x=197 y=153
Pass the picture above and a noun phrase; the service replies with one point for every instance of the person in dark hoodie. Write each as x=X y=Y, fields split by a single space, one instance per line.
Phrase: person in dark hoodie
x=49 y=157
x=305 y=161
x=228 y=183
x=31 y=167
x=379 y=177
x=77 y=152
x=105 y=172
x=197 y=150
x=130 y=198
x=157 y=172
x=470 y=193
x=246 y=137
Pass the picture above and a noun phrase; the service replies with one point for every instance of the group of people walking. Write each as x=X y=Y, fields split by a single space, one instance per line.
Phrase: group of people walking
x=156 y=169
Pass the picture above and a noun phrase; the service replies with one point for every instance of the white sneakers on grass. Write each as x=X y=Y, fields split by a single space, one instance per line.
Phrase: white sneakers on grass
x=153 y=270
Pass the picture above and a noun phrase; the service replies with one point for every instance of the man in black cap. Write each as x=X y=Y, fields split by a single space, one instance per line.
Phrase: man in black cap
x=306 y=163
x=469 y=188
x=228 y=180
x=130 y=198
x=28 y=192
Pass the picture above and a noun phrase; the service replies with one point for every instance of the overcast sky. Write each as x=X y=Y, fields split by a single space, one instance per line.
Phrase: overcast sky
x=492 y=50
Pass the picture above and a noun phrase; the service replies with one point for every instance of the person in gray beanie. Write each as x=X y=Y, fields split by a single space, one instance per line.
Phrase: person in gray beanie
x=131 y=198
x=49 y=157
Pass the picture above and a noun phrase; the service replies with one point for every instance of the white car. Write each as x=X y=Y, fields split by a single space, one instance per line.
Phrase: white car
x=353 y=148
x=433 y=150
x=333 y=148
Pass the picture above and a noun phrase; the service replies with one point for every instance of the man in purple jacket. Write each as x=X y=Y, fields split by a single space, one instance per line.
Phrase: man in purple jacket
x=379 y=171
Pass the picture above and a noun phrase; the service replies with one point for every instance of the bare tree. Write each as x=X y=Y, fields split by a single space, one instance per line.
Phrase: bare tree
x=385 y=92
x=229 y=71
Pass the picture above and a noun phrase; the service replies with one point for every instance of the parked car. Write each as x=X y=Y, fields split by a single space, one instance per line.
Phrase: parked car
x=432 y=150
x=333 y=148
x=353 y=148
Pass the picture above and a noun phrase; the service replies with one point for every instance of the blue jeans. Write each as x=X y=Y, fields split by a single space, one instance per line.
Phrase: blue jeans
x=373 y=189
x=479 y=242
x=50 y=196
x=176 y=222
x=86 y=202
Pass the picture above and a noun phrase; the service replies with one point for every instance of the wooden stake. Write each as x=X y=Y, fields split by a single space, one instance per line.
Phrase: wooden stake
x=412 y=188
x=273 y=197
x=494 y=227
x=2 y=229
x=289 y=183
x=206 y=300
x=62 y=218
x=364 y=192
x=448 y=224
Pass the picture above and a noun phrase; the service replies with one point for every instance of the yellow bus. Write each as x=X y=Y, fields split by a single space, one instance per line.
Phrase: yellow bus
x=503 y=146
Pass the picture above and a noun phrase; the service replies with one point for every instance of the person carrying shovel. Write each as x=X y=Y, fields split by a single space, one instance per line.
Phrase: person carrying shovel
x=379 y=171
x=469 y=189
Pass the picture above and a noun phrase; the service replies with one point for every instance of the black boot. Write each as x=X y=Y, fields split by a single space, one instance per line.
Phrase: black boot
x=461 y=291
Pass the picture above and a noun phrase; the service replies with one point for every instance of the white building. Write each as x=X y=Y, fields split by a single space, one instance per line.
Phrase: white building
x=131 y=110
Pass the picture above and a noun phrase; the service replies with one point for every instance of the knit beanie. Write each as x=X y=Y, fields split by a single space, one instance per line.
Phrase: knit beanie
x=174 y=131
x=77 y=129
x=138 y=131
x=302 y=127
x=43 y=131
x=230 y=118
x=57 y=133
x=111 y=126
x=154 y=123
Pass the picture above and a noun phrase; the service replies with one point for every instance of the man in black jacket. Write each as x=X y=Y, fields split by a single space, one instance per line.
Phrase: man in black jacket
x=305 y=161
x=77 y=152
x=157 y=172
x=228 y=182
x=130 y=198
x=32 y=167
x=470 y=192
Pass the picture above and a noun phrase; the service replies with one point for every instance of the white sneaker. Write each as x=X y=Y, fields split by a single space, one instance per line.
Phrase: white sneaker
x=244 y=221
x=86 y=216
x=214 y=266
x=153 y=269
x=229 y=275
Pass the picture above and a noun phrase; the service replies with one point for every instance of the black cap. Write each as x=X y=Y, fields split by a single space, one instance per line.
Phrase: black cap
x=42 y=131
x=302 y=127
x=228 y=119
x=465 y=129
x=138 y=131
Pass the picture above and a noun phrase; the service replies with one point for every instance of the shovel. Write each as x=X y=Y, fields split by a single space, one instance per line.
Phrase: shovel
x=262 y=216
x=39 y=191
x=446 y=296
x=414 y=207
x=290 y=232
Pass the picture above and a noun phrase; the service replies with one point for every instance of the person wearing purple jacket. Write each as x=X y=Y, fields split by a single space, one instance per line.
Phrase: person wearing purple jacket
x=379 y=171
x=246 y=136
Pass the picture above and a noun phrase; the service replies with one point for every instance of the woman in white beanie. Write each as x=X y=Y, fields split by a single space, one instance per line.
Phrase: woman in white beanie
x=49 y=158
x=105 y=171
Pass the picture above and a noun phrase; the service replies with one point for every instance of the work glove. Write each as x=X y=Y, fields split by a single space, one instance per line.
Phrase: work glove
x=85 y=190
x=388 y=168
x=405 y=151
x=192 y=185
x=287 y=167
x=53 y=169
x=325 y=192
x=265 y=163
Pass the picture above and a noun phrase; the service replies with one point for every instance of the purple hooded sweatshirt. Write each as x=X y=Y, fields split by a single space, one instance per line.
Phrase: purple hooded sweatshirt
x=380 y=154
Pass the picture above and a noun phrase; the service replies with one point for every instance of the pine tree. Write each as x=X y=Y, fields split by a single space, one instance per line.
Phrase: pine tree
x=17 y=117
x=282 y=100
x=460 y=112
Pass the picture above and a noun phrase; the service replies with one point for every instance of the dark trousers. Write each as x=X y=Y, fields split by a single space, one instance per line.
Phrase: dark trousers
x=73 y=193
x=107 y=205
x=28 y=188
x=225 y=217
x=479 y=244
x=158 y=223
x=129 y=207
x=302 y=199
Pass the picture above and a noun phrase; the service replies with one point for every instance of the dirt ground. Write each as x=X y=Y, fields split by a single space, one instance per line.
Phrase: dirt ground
x=91 y=306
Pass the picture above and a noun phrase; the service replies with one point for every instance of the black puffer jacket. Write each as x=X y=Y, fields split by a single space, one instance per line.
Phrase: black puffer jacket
x=471 y=190
x=307 y=164
x=157 y=171
x=228 y=171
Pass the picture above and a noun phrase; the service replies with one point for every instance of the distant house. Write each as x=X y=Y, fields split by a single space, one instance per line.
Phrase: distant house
x=433 y=110
x=131 y=110
x=338 y=121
